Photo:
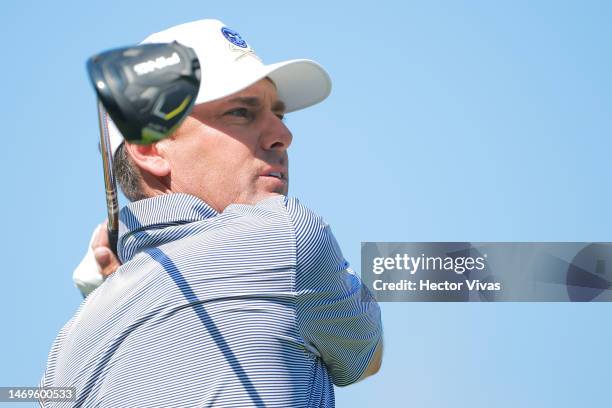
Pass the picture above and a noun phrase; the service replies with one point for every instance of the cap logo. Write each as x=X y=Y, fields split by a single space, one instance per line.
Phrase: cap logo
x=233 y=37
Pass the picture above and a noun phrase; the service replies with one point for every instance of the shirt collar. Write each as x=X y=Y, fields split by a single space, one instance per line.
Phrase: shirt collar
x=156 y=213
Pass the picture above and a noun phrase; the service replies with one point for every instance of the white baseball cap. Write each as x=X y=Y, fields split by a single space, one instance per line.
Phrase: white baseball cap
x=230 y=65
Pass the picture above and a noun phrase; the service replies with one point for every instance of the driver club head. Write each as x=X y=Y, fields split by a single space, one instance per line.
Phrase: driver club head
x=146 y=89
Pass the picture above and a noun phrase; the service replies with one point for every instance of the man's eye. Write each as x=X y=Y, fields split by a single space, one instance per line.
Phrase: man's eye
x=239 y=112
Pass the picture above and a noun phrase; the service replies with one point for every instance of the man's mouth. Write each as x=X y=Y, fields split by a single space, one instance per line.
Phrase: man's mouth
x=277 y=175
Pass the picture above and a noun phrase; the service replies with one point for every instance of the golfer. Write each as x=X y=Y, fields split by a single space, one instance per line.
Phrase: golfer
x=229 y=293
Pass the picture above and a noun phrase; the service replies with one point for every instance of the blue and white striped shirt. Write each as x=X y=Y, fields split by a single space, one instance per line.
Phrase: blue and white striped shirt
x=255 y=306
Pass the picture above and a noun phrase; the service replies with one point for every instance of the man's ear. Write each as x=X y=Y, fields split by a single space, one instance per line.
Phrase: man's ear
x=149 y=158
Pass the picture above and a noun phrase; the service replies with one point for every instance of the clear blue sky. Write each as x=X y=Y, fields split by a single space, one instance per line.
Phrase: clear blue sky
x=448 y=120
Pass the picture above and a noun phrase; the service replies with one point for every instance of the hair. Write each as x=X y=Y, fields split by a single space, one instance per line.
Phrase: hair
x=127 y=175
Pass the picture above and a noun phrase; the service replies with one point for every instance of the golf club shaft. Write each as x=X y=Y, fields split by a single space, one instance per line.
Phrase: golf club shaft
x=112 y=203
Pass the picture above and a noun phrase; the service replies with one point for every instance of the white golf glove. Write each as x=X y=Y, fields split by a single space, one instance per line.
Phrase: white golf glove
x=87 y=276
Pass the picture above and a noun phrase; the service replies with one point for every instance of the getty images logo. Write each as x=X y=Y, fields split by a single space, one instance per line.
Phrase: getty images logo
x=159 y=63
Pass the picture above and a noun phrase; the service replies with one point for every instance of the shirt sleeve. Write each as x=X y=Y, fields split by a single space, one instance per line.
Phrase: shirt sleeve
x=336 y=313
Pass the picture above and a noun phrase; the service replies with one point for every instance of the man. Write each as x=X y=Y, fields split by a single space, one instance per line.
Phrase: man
x=230 y=294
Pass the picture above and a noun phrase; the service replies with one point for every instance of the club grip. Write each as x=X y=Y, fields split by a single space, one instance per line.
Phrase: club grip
x=113 y=235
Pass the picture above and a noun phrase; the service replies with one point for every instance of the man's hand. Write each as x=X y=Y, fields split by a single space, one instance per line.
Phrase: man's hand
x=97 y=264
x=105 y=258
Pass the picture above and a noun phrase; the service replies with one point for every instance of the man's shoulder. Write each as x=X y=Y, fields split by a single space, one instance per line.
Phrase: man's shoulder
x=314 y=239
x=306 y=222
x=308 y=230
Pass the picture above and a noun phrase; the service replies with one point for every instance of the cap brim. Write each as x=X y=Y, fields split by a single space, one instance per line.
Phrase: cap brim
x=300 y=83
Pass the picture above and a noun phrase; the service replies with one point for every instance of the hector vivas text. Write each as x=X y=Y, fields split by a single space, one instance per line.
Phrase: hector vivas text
x=415 y=264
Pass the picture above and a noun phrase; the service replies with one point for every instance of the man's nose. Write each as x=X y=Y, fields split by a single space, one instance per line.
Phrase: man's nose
x=276 y=135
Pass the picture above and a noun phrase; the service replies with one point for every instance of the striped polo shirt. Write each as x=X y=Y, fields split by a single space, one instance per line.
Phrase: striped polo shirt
x=251 y=307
